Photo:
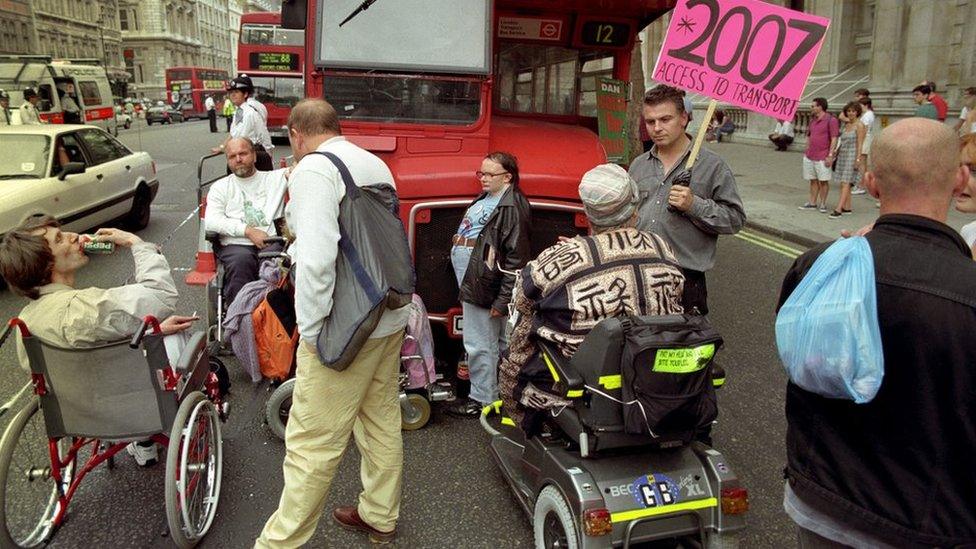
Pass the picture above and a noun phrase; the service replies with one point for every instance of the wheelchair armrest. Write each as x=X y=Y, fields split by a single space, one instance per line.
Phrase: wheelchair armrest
x=568 y=379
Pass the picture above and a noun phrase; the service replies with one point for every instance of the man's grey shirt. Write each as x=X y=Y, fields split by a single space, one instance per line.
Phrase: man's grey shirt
x=717 y=208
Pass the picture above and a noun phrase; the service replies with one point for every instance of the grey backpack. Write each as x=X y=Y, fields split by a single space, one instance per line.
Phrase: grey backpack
x=374 y=270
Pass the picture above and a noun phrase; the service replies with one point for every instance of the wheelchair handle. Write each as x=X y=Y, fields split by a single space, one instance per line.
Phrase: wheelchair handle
x=148 y=321
x=24 y=332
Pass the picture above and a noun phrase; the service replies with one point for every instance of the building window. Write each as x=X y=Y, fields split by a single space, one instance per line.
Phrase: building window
x=124 y=19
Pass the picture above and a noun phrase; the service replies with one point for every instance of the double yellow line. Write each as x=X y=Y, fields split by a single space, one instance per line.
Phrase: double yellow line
x=768 y=244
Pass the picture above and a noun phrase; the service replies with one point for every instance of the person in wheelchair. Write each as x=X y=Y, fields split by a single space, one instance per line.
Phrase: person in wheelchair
x=566 y=291
x=40 y=261
x=241 y=208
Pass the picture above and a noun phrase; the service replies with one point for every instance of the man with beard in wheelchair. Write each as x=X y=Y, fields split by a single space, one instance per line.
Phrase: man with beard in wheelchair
x=565 y=292
x=40 y=261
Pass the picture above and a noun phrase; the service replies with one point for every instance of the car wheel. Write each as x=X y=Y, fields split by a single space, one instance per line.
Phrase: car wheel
x=138 y=217
x=148 y=122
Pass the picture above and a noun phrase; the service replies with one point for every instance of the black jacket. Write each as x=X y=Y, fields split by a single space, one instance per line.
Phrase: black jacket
x=901 y=466
x=507 y=232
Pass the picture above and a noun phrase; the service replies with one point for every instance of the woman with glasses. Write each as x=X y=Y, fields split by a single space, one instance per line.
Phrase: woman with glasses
x=966 y=200
x=491 y=243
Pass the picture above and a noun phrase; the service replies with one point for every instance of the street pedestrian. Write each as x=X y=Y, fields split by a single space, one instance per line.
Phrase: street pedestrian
x=250 y=121
x=689 y=215
x=967 y=116
x=941 y=107
x=5 y=119
x=966 y=199
x=822 y=134
x=28 y=111
x=897 y=471
x=859 y=95
x=211 y=107
x=228 y=111
x=849 y=158
x=925 y=107
x=782 y=135
x=494 y=230
x=328 y=403
x=870 y=122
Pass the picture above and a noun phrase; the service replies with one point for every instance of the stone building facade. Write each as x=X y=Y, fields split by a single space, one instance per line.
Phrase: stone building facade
x=886 y=46
x=17 y=34
x=172 y=33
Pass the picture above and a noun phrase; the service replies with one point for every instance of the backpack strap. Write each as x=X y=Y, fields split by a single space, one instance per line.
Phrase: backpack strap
x=345 y=244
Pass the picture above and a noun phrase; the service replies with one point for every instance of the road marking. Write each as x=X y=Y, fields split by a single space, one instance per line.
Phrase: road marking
x=768 y=244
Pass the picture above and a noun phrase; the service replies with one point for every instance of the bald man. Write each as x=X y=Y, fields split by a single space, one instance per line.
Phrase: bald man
x=242 y=208
x=897 y=471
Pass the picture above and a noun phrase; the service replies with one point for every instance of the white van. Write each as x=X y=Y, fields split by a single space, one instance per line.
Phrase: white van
x=50 y=79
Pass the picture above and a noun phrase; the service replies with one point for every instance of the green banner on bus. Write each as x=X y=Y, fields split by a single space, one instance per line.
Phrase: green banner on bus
x=611 y=109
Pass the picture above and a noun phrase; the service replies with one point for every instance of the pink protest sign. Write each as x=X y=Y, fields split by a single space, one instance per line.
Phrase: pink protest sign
x=744 y=52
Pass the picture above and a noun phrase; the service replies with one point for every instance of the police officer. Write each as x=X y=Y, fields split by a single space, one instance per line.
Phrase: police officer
x=250 y=121
x=5 y=109
x=28 y=111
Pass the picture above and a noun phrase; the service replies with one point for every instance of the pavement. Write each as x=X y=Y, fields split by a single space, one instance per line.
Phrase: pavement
x=772 y=188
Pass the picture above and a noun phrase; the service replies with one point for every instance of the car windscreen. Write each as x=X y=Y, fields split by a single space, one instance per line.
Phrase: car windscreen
x=30 y=162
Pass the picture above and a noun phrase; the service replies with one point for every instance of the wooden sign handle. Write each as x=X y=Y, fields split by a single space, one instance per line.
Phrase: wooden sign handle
x=702 y=130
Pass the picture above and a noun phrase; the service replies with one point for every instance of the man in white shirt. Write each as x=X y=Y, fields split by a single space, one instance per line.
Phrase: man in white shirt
x=327 y=403
x=242 y=208
x=69 y=104
x=211 y=107
x=28 y=111
x=250 y=121
x=782 y=135
x=967 y=123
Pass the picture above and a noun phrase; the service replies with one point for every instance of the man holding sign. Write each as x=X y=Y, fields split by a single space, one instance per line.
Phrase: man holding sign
x=689 y=213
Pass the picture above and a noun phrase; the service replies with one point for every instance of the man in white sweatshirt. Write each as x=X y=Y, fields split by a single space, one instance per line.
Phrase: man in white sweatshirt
x=242 y=208
x=327 y=403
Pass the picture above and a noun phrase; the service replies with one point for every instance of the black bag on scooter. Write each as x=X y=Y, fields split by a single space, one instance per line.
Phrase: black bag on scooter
x=666 y=375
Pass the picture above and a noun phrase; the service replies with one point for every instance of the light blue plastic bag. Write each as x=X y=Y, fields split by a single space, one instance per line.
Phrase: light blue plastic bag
x=827 y=331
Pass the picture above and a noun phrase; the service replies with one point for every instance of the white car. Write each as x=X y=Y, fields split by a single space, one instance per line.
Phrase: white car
x=79 y=174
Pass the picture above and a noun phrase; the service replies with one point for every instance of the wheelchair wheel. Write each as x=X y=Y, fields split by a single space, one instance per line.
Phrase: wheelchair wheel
x=279 y=405
x=414 y=413
x=552 y=521
x=28 y=493
x=193 y=470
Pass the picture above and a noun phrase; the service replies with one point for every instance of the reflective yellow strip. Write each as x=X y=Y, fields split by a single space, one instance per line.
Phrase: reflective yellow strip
x=574 y=394
x=718 y=382
x=552 y=369
x=508 y=421
x=626 y=516
x=611 y=382
x=683 y=361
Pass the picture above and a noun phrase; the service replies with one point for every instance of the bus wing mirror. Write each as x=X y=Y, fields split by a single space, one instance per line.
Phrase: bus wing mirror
x=293 y=14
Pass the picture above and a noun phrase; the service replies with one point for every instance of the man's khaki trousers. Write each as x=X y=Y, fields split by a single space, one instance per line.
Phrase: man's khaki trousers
x=325 y=407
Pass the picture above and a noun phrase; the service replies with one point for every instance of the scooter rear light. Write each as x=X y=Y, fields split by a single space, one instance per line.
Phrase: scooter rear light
x=735 y=501
x=596 y=522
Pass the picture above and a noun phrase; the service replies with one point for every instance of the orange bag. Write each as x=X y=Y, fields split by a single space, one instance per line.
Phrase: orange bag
x=275 y=333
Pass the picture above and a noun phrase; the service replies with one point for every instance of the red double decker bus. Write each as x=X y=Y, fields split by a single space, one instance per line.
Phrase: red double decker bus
x=273 y=57
x=188 y=87
x=431 y=86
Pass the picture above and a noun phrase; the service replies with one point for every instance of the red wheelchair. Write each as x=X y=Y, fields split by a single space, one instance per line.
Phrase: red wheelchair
x=88 y=405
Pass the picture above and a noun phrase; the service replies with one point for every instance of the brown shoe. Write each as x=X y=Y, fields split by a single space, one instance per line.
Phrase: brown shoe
x=348 y=518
